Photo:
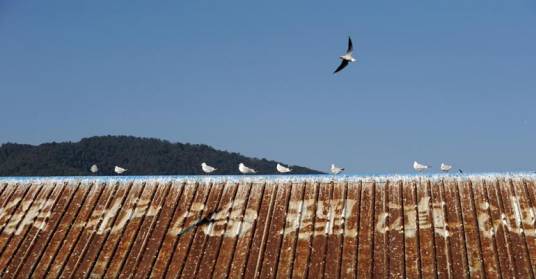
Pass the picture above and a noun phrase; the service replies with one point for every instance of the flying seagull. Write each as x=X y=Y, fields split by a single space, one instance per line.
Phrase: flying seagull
x=94 y=169
x=445 y=168
x=206 y=168
x=335 y=169
x=245 y=170
x=203 y=221
x=119 y=170
x=347 y=57
x=460 y=171
x=282 y=169
x=419 y=167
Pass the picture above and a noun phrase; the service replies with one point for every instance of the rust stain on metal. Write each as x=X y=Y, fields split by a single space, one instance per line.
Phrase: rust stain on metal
x=402 y=228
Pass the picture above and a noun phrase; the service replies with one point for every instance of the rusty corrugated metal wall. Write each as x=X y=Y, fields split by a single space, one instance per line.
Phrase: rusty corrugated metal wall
x=399 y=227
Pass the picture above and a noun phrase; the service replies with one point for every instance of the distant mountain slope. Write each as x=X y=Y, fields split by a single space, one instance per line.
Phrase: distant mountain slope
x=141 y=156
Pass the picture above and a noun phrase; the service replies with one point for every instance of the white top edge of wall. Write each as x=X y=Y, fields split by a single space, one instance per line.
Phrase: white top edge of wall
x=268 y=178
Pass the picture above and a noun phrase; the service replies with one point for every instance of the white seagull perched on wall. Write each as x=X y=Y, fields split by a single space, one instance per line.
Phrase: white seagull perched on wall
x=119 y=170
x=419 y=167
x=282 y=169
x=335 y=169
x=445 y=168
x=206 y=168
x=245 y=170
x=347 y=57
x=94 y=169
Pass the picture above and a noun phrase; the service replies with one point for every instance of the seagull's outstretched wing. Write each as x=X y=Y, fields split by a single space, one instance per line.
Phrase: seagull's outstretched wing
x=344 y=63
x=350 y=46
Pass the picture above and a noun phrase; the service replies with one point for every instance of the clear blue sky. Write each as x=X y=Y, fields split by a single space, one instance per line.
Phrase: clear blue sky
x=436 y=81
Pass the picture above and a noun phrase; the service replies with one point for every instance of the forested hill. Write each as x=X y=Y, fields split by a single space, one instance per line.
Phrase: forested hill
x=141 y=156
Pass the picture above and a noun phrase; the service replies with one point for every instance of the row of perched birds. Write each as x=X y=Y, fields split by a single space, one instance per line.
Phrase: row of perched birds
x=118 y=170
x=282 y=169
x=444 y=167
x=206 y=169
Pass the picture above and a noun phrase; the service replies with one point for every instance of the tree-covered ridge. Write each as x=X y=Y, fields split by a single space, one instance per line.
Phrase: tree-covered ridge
x=141 y=156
